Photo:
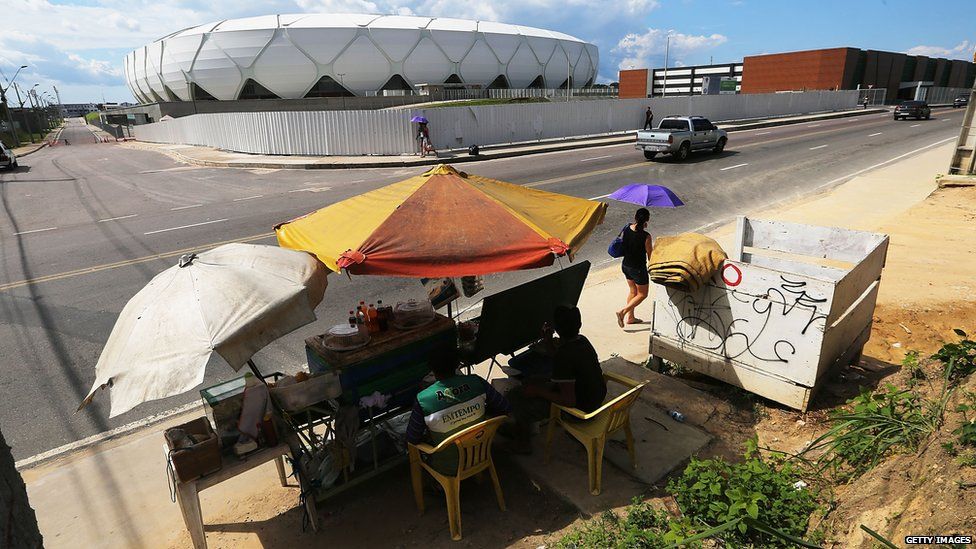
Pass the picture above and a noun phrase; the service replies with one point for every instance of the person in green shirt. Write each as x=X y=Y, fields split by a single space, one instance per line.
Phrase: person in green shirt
x=452 y=403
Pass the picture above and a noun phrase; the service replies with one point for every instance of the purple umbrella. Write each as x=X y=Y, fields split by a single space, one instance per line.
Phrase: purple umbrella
x=419 y=119
x=657 y=196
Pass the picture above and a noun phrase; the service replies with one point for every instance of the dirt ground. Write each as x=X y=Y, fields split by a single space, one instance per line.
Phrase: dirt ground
x=928 y=288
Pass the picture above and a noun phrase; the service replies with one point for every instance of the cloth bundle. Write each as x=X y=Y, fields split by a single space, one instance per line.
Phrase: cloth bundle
x=685 y=262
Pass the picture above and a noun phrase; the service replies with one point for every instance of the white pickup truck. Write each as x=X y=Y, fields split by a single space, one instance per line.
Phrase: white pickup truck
x=679 y=135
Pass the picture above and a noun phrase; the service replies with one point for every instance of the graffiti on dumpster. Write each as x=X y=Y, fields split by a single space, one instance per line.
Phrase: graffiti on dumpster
x=756 y=329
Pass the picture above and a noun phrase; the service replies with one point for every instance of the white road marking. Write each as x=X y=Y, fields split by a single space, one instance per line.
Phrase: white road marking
x=733 y=167
x=185 y=226
x=763 y=133
x=176 y=169
x=117 y=218
x=311 y=190
x=599 y=197
x=597 y=158
x=358 y=181
x=813 y=125
x=874 y=134
x=185 y=207
x=248 y=198
x=914 y=125
x=35 y=231
x=817 y=147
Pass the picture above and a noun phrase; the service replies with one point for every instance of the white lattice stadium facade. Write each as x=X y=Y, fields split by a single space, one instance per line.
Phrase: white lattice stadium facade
x=317 y=55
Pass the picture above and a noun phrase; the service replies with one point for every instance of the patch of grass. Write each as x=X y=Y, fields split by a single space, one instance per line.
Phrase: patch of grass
x=642 y=527
x=875 y=426
x=91 y=117
x=483 y=102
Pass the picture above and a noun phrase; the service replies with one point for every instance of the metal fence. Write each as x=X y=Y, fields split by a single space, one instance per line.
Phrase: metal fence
x=553 y=94
x=390 y=132
x=936 y=95
x=875 y=96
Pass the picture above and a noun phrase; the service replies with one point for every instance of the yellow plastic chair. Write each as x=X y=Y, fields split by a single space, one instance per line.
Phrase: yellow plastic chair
x=473 y=446
x=592 y=429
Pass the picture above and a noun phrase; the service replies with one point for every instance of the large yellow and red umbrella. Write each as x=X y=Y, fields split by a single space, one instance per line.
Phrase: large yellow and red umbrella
x=444 y=223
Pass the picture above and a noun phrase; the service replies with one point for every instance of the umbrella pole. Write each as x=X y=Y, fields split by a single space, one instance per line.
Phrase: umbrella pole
x=255 y=371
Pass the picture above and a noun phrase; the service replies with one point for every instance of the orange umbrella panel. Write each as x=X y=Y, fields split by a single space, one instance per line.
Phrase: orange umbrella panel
x=444 y=223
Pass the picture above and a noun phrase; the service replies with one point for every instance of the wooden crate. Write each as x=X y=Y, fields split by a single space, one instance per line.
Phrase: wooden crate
x=791 y=302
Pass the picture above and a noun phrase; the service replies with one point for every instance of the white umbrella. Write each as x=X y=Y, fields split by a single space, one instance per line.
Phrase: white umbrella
x=232 y=300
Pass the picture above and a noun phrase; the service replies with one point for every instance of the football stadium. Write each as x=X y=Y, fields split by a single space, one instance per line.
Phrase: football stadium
x=334 y=55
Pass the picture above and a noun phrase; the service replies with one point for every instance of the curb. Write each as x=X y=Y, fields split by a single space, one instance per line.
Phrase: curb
x=44 y=144
x=582 y=143
x=119 y=432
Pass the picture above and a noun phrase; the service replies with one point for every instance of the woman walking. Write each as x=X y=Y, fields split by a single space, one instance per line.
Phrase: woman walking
x=637 y=248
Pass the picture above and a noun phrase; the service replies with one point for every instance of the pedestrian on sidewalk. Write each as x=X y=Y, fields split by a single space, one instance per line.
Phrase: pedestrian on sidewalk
x=648 y=119
x=637 y=248
x=864 y=102
x=423 y=136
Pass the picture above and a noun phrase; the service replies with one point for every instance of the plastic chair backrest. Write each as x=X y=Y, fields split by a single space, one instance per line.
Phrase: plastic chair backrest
x=619 y=410
x=474 y=444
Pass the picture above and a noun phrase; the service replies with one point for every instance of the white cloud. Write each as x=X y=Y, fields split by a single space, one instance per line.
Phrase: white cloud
x=83 y=44
x=962 y=50
x=648 y=49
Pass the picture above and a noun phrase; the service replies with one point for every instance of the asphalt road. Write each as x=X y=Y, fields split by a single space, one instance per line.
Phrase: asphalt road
x=80 y=226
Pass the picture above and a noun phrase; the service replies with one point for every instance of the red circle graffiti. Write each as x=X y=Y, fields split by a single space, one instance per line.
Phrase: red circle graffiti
x=731 y=281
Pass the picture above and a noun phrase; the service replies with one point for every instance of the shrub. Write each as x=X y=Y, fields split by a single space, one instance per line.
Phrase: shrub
x=715 y=492
x=958 y=359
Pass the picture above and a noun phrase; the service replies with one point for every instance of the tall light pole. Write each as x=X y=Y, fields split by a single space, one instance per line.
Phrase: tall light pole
x=667 y=51
x=20 y=100
x=3 y=99
x=60 y=106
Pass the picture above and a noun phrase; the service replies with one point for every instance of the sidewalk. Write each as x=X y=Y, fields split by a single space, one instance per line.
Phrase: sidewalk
x=114 y=494
x=208 y=156
x=25 y=150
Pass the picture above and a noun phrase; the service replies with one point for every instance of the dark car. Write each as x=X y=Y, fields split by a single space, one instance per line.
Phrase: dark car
x=961 y=101
x=914 y=109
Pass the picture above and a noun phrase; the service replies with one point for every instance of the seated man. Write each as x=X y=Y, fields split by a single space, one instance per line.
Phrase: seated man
x=450 y=404
x=577 y=379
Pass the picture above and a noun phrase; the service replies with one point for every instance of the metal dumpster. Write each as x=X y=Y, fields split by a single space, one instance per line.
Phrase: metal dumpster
x=792 y=302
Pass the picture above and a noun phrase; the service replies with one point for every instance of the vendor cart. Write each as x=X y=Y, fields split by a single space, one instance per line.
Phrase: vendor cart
x=792 y=302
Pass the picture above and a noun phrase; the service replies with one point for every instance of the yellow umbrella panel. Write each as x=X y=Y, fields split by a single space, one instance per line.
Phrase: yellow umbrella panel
x=444 y=223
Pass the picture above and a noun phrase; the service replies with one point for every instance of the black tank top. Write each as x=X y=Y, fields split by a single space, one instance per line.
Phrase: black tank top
x=635 y=253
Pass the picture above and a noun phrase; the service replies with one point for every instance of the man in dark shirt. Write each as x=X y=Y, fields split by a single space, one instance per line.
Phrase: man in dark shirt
x=648 y=119
x=577 y=379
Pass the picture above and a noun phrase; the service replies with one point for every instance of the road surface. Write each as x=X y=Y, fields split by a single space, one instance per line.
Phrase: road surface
x=81 y=227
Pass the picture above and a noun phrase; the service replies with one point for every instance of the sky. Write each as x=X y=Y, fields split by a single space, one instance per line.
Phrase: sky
x=78 y=45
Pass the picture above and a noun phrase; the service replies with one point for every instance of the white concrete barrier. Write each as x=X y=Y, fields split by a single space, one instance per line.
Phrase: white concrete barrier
x=389 y=132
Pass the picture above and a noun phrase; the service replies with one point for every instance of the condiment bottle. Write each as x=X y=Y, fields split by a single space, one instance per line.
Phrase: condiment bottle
x=382 y=315
x=372 y=319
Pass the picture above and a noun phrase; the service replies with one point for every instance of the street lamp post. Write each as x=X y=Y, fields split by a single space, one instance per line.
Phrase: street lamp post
x=30 y=131
x=667 y=51
x=3 y=99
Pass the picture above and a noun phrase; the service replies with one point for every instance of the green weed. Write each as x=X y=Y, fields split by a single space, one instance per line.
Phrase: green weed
x=875 y=426
x=958 y=359
x=714 y=492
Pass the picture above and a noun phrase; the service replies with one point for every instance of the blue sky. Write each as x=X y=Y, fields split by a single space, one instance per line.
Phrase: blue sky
x=78 y=45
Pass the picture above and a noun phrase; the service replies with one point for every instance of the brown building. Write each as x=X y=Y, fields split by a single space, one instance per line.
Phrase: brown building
x=633 y=83
x=847 y=68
